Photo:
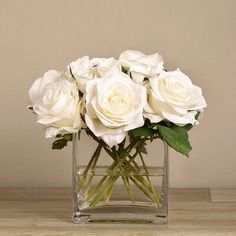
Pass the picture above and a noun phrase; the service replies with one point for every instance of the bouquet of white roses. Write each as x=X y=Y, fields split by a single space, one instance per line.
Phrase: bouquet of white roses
x=112 y=99
x=121 y=104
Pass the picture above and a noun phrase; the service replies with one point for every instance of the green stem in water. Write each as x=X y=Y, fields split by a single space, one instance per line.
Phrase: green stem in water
x=104 y=187
x=91 y=193
x=112 y=171
x=94 y=157
x=141 y=188
x=108 y=196
x=88 y=184
x=104 y=190
x=150 y=183
x=128 y=188
x=125 y=178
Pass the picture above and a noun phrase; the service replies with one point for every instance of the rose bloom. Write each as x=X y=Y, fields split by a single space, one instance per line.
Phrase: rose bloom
x=141 y=66
x=172 y=96
x=114 y=106
x=85 y=69
x=56 y=102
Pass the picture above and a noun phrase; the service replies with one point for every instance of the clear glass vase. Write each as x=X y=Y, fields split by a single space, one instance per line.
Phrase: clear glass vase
x=117 y=184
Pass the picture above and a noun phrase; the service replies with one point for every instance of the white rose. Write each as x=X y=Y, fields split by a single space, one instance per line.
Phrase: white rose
x=172 y=96
x=141 y=66
x=114 y=106
x=56 y=102
x=40 y=85
x=84 y=69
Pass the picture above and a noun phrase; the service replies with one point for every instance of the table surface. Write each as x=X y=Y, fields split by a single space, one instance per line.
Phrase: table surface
x=47 y=211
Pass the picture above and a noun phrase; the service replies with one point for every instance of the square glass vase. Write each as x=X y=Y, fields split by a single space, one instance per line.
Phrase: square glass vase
x=123 y=184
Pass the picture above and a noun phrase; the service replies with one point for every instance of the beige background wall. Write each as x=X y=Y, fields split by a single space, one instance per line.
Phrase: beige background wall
x=197 y=36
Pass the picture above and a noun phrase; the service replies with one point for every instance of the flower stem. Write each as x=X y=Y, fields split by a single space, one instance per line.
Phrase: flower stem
x=88 y=184
x=94 y=157
x=150 y=183
x=128 y=188
x=123 y=164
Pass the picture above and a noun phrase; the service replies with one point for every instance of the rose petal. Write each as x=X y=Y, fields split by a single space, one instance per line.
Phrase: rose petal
x=189 y=118
x=113 y=139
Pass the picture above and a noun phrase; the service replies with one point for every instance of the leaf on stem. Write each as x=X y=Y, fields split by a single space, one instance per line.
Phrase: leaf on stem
x=142 y=131
x=62 y=141
x=176 y=139
x=181 y=130
x=188 y=127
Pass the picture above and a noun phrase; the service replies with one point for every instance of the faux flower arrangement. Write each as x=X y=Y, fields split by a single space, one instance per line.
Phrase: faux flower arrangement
x=122 y=104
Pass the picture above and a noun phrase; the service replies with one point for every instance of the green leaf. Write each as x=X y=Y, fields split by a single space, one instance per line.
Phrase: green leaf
x=59 y=144
x=188 y=127
x=180 y=130
x=175 y=140
x=67 y=137
x=142 y=131
x=62 y=142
